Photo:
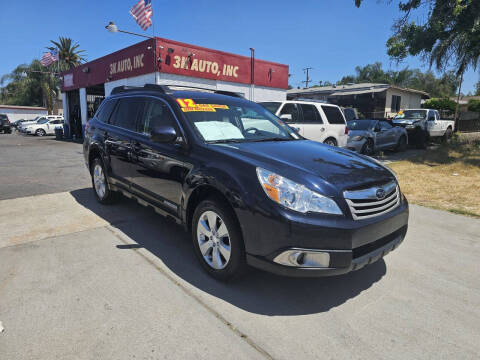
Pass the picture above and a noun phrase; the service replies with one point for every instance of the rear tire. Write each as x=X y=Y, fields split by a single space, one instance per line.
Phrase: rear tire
x=217 y=240
x=100 y=184
x=331 y=142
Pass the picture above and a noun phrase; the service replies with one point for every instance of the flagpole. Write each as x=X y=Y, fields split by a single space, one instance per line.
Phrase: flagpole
x=155 y=63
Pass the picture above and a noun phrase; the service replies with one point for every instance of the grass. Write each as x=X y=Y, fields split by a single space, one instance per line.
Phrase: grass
x=446 y=178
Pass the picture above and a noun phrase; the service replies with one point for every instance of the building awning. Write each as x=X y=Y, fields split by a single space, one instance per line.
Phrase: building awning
x=356 y=92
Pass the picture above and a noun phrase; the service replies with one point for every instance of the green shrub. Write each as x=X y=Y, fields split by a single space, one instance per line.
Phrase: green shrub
x=474 y=105
x=440 y=104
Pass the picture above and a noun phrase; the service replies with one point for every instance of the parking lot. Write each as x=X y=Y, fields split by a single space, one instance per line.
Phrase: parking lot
x=86 y=281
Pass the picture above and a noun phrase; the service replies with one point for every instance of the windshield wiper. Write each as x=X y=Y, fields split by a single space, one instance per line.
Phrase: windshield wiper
x=225 y=141
x=274 y=139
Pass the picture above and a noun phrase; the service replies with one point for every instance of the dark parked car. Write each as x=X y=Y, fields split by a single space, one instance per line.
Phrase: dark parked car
x=5 y=126
x=370 y=136
x=246 y=186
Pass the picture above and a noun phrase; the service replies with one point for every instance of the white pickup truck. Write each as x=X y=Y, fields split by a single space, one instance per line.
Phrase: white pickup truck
x=422 y=124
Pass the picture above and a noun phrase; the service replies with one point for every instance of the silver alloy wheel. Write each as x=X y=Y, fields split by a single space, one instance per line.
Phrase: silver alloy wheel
x=99 y=181
x=213 y=239
x=40 y=132
x=330 y=142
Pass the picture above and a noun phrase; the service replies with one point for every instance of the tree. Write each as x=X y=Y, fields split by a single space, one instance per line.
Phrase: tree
x=69 y=53
x=450 y=35
x=440 y=104
x=477 y=89
x=442 y=87
x=30 y=85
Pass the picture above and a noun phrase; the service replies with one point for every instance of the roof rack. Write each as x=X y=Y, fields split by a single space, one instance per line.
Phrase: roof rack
x=169 y=89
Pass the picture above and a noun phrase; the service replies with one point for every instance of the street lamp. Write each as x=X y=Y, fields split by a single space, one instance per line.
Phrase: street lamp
x=113 y=28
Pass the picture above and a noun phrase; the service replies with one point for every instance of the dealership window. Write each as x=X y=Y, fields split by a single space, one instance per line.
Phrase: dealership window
x=334 y=115
x=396 y=102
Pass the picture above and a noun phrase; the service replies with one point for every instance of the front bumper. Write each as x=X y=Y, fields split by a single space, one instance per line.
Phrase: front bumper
x=356 y=145
x=351 y=244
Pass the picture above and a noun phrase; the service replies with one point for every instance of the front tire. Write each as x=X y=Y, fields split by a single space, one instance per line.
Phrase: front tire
x=40 y=132
x=100 y=185
x=217 y=240
x=448 y=135
x=368 y=148
x=421 y=139
x=402 y=144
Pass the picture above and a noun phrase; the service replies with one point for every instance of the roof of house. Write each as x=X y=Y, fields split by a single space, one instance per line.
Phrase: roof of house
x=465 y=99
x=22 y=107
x=352 y=89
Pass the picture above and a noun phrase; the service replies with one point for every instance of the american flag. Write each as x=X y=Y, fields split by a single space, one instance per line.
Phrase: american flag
x=49 y=57
x=142 y=12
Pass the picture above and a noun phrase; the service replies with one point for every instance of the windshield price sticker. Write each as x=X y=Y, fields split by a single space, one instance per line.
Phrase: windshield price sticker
x=188 y=105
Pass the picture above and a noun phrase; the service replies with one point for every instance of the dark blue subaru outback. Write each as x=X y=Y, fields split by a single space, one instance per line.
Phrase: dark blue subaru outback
x=247 y=187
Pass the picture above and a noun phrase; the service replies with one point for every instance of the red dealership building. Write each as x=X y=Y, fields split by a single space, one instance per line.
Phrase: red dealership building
x=167 y=62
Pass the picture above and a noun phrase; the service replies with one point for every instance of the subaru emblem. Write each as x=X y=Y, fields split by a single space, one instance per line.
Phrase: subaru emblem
x=380 y=194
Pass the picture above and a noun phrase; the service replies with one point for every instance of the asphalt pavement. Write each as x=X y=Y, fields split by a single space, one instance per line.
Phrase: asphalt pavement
x=79 y=280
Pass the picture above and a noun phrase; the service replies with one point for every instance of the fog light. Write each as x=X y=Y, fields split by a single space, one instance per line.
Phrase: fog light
x=303 y=258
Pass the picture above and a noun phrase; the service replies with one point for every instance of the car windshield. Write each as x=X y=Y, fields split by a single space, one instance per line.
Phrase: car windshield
x=42 y=121
x=271 y=106
x=412 y=114
x=360 y=124
x=219 y=120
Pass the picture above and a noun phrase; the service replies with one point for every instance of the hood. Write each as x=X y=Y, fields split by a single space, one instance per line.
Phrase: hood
x=353 y=133
x=405 y=121
x=322 y=164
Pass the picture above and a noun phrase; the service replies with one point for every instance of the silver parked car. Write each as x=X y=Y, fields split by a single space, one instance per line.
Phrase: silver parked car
x=369 y=136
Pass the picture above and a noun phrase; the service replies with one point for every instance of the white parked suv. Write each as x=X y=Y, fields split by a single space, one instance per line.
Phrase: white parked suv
x=43 y=127
x=316 y=121
x=24 y=124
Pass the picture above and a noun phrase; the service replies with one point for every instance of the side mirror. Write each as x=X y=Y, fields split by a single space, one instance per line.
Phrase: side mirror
x=286 y=117
x=431 y=118
x=377 y=129
x=163 y=134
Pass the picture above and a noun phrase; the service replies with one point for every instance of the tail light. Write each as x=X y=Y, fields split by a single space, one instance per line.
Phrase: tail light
x=346 y=130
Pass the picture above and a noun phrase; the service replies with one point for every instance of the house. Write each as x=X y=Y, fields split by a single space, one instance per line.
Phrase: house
x=15 y=112
x=371 y=100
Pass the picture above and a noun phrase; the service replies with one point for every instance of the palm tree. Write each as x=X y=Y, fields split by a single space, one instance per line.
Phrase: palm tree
x=69 y=53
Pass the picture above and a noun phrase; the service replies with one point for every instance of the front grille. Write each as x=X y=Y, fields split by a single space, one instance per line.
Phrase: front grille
x=366 y=203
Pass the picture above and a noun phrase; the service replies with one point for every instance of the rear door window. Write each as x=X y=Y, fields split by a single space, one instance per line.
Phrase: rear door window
x=334 y=115
x=126 y=113
x=156 y=114
x=103 y=114
x=292 y=109
x=310 y=114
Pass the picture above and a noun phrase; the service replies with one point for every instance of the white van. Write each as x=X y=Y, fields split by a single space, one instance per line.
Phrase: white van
x=316 y=121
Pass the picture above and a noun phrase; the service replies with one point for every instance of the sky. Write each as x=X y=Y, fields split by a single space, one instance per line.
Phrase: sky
x=331 y=36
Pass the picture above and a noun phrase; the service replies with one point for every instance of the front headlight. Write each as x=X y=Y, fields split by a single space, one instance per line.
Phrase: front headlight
x=295 y=196
x=357 y=138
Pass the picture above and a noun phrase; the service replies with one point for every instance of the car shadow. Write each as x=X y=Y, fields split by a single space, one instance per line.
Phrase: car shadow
x=257 y=292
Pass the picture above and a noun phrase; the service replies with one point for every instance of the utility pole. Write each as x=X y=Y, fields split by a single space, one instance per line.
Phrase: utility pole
x=307 y=80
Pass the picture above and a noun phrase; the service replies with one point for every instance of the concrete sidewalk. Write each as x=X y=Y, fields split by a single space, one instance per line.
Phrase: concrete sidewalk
x=120 y=282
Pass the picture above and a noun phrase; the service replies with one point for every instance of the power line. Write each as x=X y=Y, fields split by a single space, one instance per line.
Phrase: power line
x=307 y=80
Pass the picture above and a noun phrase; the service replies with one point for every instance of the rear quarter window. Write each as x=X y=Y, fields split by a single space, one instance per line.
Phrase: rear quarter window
x=104 y=112
x=334 y=115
